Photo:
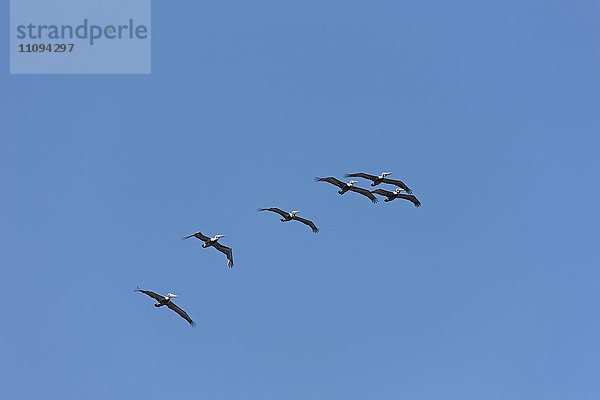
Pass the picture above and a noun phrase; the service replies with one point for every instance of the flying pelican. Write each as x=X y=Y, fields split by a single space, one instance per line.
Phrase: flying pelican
x=380 y=179
x=166 y=301
x=291 y=216
x=213 y=242
x=397 y=195
x=344 y=187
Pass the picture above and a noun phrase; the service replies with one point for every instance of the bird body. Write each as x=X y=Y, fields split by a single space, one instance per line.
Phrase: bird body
x=166 y=301
x=288 y=217
x=214 y=242
x=376 y=180
x=291 y=216
x=345 y=187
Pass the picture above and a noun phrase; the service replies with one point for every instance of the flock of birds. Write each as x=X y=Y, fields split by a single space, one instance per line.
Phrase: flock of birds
x=292 y=216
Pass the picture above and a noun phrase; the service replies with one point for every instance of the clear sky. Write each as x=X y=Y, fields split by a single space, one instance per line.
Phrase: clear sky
x=490 y=290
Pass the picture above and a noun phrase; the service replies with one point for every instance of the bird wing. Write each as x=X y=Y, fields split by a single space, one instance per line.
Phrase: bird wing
x=182 y=313
x=383 y=192
x=275 y=210
x=308 y=222
x=400 y=184
x=198 y=235
x=364 y=192
x=155 y=296
x=410 y=198
x=227 y=251
x=332 y=180
x=362 y=175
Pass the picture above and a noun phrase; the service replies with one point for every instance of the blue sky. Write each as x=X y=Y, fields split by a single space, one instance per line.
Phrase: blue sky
x=488 y=291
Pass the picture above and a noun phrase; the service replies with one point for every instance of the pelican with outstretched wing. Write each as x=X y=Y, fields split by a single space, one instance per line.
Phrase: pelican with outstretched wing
x=166 y=301
x=397 y=195
x=208 y=242
x=380 y=179
x=344 y=187
x=291 y=216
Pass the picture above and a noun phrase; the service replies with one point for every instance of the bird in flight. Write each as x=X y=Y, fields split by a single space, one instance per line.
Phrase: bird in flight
x=344 y=187
x=291 y=216
x=166 y=301
x=208 y=242
x=397 y=195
